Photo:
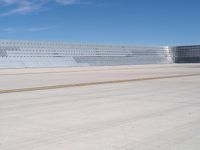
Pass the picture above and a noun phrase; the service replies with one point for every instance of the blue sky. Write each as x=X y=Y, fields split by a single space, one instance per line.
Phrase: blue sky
x=133 y=22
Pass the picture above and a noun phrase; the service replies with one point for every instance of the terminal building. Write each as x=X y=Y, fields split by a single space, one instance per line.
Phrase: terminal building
x=24 y=54
x=187 y=54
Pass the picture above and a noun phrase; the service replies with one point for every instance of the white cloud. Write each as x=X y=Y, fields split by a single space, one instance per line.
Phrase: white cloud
x=67 y=2
x=17 y=30
x=28 y=6
x=21 y=6
x=8 y=30
x=39 y=29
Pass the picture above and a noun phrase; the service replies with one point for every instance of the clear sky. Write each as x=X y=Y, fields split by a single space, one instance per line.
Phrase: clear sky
x=134 y=22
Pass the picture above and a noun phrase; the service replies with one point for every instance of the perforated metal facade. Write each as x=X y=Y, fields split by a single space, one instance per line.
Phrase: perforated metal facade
x=20 y=54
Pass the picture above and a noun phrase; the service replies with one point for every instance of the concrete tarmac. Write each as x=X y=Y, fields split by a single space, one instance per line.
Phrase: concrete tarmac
x=145 y=107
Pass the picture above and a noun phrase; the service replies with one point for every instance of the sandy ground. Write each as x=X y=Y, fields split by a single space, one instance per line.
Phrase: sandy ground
x=150 y=114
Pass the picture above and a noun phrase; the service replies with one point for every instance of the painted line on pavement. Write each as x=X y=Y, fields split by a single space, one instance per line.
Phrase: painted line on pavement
x=92 y=83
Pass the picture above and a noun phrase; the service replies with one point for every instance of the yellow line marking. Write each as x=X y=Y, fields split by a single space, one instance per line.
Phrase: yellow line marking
x=92 y=83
